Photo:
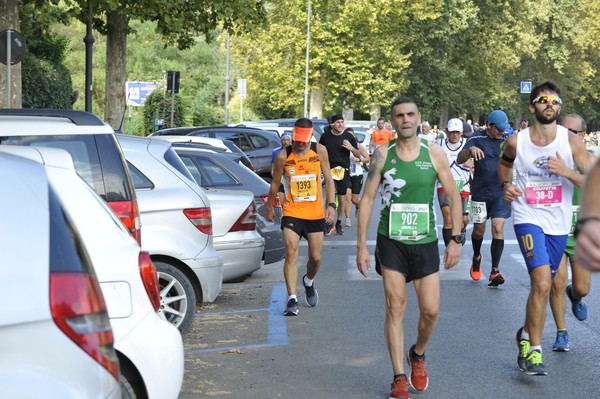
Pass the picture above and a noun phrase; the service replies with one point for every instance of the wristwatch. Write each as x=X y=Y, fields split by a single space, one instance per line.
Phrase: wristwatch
x=459 y=238
x=333 y=205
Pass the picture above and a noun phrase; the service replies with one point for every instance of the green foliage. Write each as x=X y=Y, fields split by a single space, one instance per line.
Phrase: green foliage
x=158 y=106
x=45 y=85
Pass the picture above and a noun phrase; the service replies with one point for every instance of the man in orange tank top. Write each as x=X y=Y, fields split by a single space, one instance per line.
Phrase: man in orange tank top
x=379 y=136
x=301 y=166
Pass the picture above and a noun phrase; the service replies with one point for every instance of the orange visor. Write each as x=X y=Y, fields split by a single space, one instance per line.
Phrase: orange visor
x=302 y=134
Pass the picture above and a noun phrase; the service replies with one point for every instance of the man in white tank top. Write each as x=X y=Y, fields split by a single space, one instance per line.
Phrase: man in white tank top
x=541 y=205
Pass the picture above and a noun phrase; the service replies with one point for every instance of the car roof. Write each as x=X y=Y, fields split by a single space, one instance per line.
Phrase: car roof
x=50 y=122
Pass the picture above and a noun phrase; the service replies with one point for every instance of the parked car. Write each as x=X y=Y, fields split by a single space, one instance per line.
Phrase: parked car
x=217 y=170
x=178 y=228
x=127 y=279
x=213 y=144
x=258 y=144
x=55 y=336
x=92 y=144
x=319 y=124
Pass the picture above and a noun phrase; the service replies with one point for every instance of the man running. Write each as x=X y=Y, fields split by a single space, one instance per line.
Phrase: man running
x=407 y=243
x=300 y=166
x=541 y=202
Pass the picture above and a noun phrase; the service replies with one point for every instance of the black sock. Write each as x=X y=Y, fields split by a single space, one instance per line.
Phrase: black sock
x=339 y=222
x=396 y=376
x=497 y=248
x=446 y=233
x=476 y=246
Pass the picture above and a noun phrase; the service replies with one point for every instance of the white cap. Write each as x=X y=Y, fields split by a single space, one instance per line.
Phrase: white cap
x=455 y=125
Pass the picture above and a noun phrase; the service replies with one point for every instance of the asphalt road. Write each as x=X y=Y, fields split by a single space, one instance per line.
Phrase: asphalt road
x=241 y=346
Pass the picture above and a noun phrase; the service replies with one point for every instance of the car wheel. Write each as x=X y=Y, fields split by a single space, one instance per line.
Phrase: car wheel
x=126 y=389
x=177 y=296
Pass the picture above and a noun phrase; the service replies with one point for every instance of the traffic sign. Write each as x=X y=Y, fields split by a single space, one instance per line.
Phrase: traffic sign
x=525 y=87
x=138 y=91
x=16 y=42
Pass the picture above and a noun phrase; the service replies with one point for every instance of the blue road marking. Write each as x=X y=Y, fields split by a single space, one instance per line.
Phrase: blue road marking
x=276 y=322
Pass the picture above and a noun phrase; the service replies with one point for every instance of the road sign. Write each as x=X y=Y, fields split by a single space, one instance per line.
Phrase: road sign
x=525 y=87
x=242 y=88
x=16 y=42
x=138 y=91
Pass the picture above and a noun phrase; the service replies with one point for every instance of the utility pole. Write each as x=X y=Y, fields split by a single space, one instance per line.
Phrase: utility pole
x=308 y=11
x=89 y=42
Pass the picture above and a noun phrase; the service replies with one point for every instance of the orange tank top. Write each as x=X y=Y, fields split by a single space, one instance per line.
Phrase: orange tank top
x=302 y=184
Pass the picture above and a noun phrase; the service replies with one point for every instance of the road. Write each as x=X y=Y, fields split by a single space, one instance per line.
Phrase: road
x=241 y=346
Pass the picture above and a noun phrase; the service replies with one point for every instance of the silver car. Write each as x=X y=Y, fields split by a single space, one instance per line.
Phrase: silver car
x=178 y=228
x=217 y=170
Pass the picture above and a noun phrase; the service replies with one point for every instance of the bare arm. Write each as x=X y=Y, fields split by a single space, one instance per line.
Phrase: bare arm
x=587 y=250
x=505 y=167
x=329 y=185
x=277 y=173
x=363 y=259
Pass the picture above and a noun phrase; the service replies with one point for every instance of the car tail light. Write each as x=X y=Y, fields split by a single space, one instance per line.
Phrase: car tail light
x=247 y=221
x=201 y=218
x=79 y=311
x=129 y=214
x=150 y=279
x=265 y=199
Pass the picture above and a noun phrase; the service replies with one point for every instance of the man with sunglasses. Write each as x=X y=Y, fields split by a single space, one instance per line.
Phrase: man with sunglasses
x=545 y=157
x=487 y=201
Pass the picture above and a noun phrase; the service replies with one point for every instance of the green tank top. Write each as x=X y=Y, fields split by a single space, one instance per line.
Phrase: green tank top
x=407 y=191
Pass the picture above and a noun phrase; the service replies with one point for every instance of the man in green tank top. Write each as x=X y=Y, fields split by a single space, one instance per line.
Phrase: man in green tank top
x=407 y=169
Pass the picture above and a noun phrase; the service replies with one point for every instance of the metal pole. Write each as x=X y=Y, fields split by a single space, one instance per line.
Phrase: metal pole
x=227 y=84
x=89 y=42
x=8 y=64
x=172 y=97
x=308 y=11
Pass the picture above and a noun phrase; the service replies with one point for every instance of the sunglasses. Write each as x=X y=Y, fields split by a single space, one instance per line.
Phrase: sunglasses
x=554 y=100
x=575 y=131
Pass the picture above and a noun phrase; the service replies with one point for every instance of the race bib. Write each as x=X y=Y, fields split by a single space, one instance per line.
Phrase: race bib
x=478 y=212
x=352 y=168
x=574 y=218
x=543 y=194
x=408 y=222
x=337 y=173
x=303 y=188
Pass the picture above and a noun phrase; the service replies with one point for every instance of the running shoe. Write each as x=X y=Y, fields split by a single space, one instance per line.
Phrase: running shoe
x=475 y=270
x=399 y=388
x=292 y=308
x=348 y=222
x=562 y=342
x=496 y=279
x=419 y=379
x=523 y=345
x=534 y=364
x=578 y=306
x=311 y=294
x=339 y=229
x=329 y=228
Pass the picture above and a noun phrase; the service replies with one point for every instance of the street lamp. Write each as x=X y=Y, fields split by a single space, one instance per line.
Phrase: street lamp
x=307 y=59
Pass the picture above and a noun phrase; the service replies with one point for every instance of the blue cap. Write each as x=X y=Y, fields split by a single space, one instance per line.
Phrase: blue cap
x=499 y=119
x=286 y=135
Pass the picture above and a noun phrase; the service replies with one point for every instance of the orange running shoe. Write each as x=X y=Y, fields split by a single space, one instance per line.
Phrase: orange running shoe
x=475 y=270
x=399 y=388
x=419 y=379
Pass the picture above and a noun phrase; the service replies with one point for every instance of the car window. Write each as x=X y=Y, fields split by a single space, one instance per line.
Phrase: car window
x=258 y=141
x=191 y=166
x=96 y=159
x=216 y=175
x=140 y=181
x=173 y=159
x=238 y=139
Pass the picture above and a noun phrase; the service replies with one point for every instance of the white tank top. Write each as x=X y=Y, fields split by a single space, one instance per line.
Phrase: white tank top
x=546 y=199
x=459 y=172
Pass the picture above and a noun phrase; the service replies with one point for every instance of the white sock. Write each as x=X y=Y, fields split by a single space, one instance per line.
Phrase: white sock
x=308 y=282
x=524 y=335
x=535 y=347
x=292 y=296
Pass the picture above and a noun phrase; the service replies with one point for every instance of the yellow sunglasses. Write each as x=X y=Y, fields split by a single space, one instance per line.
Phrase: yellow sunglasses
x=554 y=100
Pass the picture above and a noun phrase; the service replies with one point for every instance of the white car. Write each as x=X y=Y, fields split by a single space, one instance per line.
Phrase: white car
x=55 y=336
x=149 y=349
x=177 y=228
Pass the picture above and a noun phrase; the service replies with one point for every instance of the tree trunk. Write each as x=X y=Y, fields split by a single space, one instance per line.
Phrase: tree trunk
x=9 y=19
x=443 y=117
x=316 y=103
x=116 y=71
